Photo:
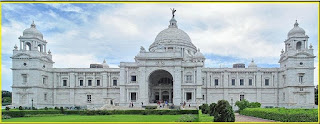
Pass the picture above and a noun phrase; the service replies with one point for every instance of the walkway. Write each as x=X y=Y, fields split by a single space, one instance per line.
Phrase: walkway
x=243 y=118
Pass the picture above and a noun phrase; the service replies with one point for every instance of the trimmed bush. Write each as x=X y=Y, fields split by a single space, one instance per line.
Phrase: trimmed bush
x=283 y=114
x=205 y=108
x=212 y=109
x=20 y=108
x=188 y=118
x=254 y=105
x=45 y=108
x=7 y=108
x=151 y=107
x=223 y=112
x=13 y=113
x=242 y=104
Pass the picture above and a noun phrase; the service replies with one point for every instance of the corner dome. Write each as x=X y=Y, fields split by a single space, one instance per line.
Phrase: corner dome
x=252 y=64
x=173 y=37
x=198 y=54
x=32 y=32
x=104 y=64
x=296 y=31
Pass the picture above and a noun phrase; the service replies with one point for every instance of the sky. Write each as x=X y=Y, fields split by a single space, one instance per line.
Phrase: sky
x=226 y=33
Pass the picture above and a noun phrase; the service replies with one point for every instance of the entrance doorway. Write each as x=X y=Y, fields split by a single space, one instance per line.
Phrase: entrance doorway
x=160 y=86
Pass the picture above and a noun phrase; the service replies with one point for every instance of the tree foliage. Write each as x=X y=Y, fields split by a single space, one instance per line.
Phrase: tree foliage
x=223 y=112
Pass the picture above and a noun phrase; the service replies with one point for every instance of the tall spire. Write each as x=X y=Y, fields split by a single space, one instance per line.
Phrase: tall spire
x=173 y=22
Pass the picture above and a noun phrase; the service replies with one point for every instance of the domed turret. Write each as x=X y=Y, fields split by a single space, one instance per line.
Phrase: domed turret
x=172 y=37
x=32 y=32
x=198 y=55
x=104 y=64
x=252 y=64
x=296 y=31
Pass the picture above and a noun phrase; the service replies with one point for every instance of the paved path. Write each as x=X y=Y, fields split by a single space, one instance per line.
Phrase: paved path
x=243 y=118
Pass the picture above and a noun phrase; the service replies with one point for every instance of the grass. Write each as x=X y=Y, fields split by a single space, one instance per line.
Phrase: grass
x=205 y=117
x=97 y=118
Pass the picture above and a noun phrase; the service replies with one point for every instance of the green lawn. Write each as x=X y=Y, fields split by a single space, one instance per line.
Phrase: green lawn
x=205 y=117
x=97 y=118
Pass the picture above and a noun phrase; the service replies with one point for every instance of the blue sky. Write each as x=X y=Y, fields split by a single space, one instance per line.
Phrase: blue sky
x=227 y=33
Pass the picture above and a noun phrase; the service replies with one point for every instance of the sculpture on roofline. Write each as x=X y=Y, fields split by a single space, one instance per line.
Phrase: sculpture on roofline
x=173 y=11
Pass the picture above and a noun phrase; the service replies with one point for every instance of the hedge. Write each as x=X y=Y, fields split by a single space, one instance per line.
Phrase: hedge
x=282 y=114
x=22 y=113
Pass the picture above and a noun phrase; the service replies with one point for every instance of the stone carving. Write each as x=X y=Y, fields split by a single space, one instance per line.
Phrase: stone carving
x=142 y=50
x=173 y=11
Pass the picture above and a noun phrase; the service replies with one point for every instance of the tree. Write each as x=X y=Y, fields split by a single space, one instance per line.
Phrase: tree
x=212 y=109
x=223 y=112
x=316 y=95
x=6 y=94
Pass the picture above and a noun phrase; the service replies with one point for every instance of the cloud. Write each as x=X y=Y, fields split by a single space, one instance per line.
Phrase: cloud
x=81 y=34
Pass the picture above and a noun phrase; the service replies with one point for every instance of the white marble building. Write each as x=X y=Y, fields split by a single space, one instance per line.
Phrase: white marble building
x=172 y=69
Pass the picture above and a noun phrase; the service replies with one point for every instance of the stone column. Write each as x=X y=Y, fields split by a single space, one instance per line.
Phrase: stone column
x=104 y=80
x=259 y=86
x=177 y=86
x=199 y=84
x=143 y=85
x=72 y=85
x=122 y=86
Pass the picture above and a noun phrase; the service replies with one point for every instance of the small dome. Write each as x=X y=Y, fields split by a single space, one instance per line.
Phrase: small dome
x=296 y=31
x=198 y=54
x=32 y=32
x=104 y=64
x=252 y=64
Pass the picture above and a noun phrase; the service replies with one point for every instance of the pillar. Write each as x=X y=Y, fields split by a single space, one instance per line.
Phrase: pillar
x=177 y=86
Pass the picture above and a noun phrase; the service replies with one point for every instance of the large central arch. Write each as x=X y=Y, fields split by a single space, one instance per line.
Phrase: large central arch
x=160 y=86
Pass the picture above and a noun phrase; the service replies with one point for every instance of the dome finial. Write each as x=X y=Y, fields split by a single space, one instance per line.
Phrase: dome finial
x=104 y=61
x=296 y=24
x=252 y=60
x=173 y=22
x=33 y=25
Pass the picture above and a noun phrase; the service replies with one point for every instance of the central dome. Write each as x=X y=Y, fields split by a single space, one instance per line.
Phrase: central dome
x=172 y=37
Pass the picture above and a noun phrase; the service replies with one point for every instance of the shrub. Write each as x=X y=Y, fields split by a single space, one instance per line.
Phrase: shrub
x=151 y=107
x=56 y=108
x=7 y=108
x=45 y=108
x=254 y=105
x=242 y=104
x=188 y=118
x=62 y=110
x=212 y=109
x=14 y=113
x=205 y=108
x=33 y=108
x=20 y=108
x=282 y=114
x=6 y=117
x=223 y=112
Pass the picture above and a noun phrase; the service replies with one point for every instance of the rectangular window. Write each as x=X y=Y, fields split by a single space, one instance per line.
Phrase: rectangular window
x=189 y=79
x=44 y=80
x=89 y=82
x=216 y=82
x=133 y=96
x=241 y=97
x=134 y=78
x=24 y=78
x=98 y=82
x=202 y=81
x=202 y=97
x=266 y=82
x=89 y=98
x=45 y=97
x=64 y=82
x=250 y=82
x=301 y=89
x=233 y=82
x=115 y=83
x=81 y=82
x=241 y=82
x=189 y=96
x=300 y=79
x=284 y=96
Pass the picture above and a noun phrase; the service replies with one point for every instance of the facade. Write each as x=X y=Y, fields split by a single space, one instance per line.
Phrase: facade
x=172 y=70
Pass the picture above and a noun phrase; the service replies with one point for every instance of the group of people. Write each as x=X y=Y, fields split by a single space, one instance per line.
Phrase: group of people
x=165 y=103
x=184 y=104
x=131 y=105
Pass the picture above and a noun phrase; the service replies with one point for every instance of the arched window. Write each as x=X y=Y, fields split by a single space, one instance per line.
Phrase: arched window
x=298 y=46
x=28 y=46
x=40 y=48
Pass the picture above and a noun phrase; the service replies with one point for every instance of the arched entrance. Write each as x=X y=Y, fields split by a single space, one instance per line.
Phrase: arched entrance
x=160 y=86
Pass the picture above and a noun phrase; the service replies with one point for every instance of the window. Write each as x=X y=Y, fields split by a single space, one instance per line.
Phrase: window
x=203 y=81
x=250 y=82
x=89 y=98
x=133 y=96
x=266 y=82
x=64 y=82
x=98 y=82
x=44 y=80
x=241 y=82
x=233 y=82
x=189 y=96
x=202 y=97
x=300 y=79
x=216 y=82
x=298 y=46
x=301 y=89
x=114 y=82
x=45 y=97
x=133 y=78
x=189 y=79
x=241 y=97
x=89 y=82
x=81 y=82
x=24 y=78
x=284 y=96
